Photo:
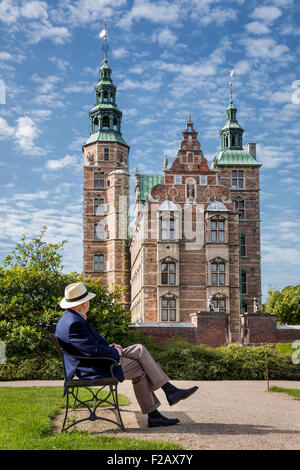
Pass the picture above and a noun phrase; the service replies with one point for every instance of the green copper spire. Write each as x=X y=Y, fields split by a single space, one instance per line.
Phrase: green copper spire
x=105 y=117
x=231 y=133
x=232 y=152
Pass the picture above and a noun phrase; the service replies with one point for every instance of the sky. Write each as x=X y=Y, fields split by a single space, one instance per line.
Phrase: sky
x=169 y=59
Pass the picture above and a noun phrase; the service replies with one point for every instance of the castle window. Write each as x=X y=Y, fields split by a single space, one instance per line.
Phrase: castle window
x=168 y=227
x=217 y=231
x=168 y=273
x=239 y=206
x=99 y=206
x=237 y=179
x=244 y=283
x=177 y=179
x=106 y=154
x=219 y=304
x=203 y=180
x=242 y=245
x=105 y=96
x=99 y=180
x=98 y=231
x=218 y=273
x=98 y=262
x=168 y=309
x=244 y=308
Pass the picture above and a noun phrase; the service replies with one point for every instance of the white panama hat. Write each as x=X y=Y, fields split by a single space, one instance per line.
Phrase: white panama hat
x=75 y=294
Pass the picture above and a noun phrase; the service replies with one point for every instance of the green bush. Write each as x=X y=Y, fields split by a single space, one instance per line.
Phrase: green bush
x=183 y=361
x=180 y=360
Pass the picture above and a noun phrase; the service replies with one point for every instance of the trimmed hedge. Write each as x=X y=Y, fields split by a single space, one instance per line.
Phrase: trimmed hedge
x=181 y=361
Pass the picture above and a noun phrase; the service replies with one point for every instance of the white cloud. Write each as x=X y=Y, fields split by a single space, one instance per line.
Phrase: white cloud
x=34 y=10
x=61 y=64
x=157 y=12
x=88 y=11
x=265 y=48
x=6 y=56
x=272 y=156
x=120 y=52
x=54 y=165
x=148 y=85
x=5 y=129
x=257 y=27
x=45 y=30
x=280 y=255
x=10 y=12
x=26 y=133
x=30 y=196
x=266 y=13
x=165 y=37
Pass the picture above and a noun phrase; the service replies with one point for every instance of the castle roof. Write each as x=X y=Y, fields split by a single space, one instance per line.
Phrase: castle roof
x=216 y=206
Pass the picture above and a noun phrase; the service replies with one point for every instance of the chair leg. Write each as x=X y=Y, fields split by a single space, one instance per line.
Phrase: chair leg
x=66 y=413
x=114 y=389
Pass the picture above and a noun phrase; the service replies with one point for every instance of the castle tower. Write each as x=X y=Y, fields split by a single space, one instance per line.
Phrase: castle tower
x=106 y=190
x=238 y=169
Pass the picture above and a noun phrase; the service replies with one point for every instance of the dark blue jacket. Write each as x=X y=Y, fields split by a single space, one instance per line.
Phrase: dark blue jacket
x=79 y=338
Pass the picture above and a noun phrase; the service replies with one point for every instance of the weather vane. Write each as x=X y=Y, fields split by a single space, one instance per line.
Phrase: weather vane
x=230 y=83
x=103 y=34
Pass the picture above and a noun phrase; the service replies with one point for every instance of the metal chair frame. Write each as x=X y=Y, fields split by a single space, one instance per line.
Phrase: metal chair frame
x=71 y=389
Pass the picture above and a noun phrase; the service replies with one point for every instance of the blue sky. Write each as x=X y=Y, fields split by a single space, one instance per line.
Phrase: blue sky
x=169 y=59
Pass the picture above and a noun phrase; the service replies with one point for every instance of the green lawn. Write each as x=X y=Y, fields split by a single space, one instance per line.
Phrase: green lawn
x=26 y=423
x=293 y=392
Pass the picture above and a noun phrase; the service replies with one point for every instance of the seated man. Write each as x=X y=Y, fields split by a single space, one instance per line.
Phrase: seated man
x=136 y=363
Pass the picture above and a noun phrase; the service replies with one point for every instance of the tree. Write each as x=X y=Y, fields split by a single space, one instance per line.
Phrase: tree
x=37 y=252
x=31 y=286
x=285 y=304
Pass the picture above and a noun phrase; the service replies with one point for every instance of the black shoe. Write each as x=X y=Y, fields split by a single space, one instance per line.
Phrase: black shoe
x=180 y=394
x=161 y=421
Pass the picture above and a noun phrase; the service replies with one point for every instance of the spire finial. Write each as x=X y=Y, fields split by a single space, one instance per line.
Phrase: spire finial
x=103 y=35
x=230 y=83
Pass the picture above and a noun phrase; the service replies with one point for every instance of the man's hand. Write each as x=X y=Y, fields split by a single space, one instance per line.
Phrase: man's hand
x=118 y=348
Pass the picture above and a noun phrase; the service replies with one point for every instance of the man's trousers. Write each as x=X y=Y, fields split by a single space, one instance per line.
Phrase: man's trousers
x=139 y=366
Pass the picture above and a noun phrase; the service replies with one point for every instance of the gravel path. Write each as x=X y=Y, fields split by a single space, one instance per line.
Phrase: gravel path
x=220 y=415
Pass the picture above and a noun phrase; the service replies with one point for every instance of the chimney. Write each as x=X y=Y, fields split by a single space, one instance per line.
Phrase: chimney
x=252 y=149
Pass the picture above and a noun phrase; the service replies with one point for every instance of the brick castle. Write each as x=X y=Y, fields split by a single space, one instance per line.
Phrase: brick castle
x=192 y=265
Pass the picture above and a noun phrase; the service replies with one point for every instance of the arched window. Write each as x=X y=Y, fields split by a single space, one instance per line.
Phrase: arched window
x=168 y=308
x=168 y=272
x=96 y=125
x=99 y=262
x=219 y=303
x=105 y=122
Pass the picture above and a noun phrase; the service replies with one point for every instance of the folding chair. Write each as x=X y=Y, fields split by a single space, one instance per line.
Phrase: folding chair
x=71 y=389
